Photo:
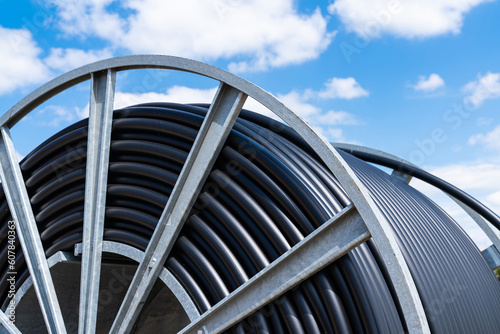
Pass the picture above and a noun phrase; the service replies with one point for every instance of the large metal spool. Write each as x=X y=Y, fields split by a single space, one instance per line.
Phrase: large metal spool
x=234 y=222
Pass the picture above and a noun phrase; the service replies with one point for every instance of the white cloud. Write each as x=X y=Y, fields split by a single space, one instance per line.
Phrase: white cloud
x=335 y=135
x=343 y=88
x=260 y=33
x=323 y=122
x=82 y=113
x=88 y=16
x=68 y=59
x=253 y=105
x=337 y=118
x=430 y=83
x=303 y=104
x=19 y=62
x=490 y=140
x=179 y=94
x=484 y=88
x=298 y=103
x=403 y=18
x=54 y=115
x=494 y=199
x=471 y=177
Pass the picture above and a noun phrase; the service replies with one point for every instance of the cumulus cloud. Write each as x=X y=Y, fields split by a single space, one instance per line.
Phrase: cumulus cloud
x=430 y=83
x=403 y=18
x=82 y=113
x=343 y=88
x=324 y=122
x=484 y=88
x=333 y=134
x=78 y=18
x=253 y=105
x=490 y=140
x=337 y=118
x=68 y=59
x=494 y=200
x=178 y=94
x=298 y=103
x=470 y=177
x=20 y=65
x=260 y=33
x=304 y=103
x=57 y=115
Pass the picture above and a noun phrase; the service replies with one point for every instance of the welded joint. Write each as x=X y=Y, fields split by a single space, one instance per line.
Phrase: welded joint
x=78 y=251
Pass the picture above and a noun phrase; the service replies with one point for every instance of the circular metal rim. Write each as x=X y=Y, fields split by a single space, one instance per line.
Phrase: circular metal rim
x=131 y=253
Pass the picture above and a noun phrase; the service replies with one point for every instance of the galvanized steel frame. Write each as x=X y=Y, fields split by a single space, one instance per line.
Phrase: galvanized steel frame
x=329 y=242
x=226 y=106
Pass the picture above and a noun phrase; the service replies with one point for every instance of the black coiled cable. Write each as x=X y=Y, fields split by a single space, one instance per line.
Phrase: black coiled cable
x=266 y=192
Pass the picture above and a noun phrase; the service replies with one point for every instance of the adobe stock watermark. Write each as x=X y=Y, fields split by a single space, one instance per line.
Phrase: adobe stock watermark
x=116 y=284
x=445 y=298
x=453 y=118
x=224 y=7
x=372 y=28
x=32 y=25
x=40 y=18
x=12 y=273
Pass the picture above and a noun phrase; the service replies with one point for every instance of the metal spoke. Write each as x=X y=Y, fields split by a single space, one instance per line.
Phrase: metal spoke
x=6 y=326
x=22 y=212
x=102 y=92
x=339 y=235
x=213 y=132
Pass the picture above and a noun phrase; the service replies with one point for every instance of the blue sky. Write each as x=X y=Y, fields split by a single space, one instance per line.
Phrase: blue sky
x=420 y=79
